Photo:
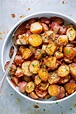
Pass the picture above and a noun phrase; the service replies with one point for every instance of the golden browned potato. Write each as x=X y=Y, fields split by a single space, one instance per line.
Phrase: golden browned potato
x=63 y=70
x=51 y=48
x=36 y=28
x=43 y=74
x=69 y=53
x=45 y=27
x=71 y=33
x=22 y=39
x=39 y=54
x=70 y=88
x=33 y=49
x=67 y=60
x=35 y=40
x=30 y=87
x=69 y=26
x=34 y=66
x=37 y=80
x=73 y=70
x=51 y=62
x=64 y=80
x=44 y=86
x=40 y=93
x=58 y=55
x=12 y=69
x=18 y=72
x=25 y=68
x=53 y=78
x=33 y=95
x=25 y=52
x=53 y=90
x=62 y=40
x=22 y=86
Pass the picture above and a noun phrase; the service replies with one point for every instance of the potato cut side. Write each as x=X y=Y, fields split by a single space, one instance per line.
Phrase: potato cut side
x=35 y=40
x=71 y=33
x=30 y=87
x=36 y=28
x=34 y=66
x=25 y=68
x=37 y=80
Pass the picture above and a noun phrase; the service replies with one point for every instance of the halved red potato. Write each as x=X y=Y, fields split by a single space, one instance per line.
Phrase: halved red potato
x=71 y=33
x=22 y=86
x=40 y=93
x=15 y=80
x=73 y=70
x=43 y=74
x=70 y=87
x=62 y=40
x=35 y=40
x=33 y=49
x=18 y=60
x=39 y=54
x=6 y=65
x=59 y=20
x=36 y=28
x=64 y=80
x=45 y=20
x=37 y=80
x=34 y=66
x=51 y=48
x=19 y=72
x=54 y=90
x=62 y=30
x=33 y=95
x=22 y=39
x=53 y=78
x=69 y=53
x=27 y=78
x=62 y=93
x=58 y=55
x=43 y=86
x=70 y=26
x=25 y=68
x=55 y=27
x=63 y=70
x=67 y=60
x=45 y=27
x=12 y=69
x=47 y=36
x=51 y=62
x=25 y=52
x=30 y=87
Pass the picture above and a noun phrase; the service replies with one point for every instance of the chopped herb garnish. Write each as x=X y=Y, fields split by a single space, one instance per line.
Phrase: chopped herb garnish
x=43 y=109
x=28 y=87
x=56 y=102
x=33 y=65
x=67 y=51
x=50 y=72
x=70 y=108
x=49 y=47
x=43 y=66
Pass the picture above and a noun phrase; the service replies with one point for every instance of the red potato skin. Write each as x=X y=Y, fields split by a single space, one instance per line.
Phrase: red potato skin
x=62 y=30
x=59 y=20
x=22 y=86
x=62 y=93
x=45 y=20
x=18 y=59
x=11 y=51
x=54 y=26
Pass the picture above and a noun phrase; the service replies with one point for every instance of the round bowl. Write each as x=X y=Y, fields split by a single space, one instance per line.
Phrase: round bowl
x=7 y=44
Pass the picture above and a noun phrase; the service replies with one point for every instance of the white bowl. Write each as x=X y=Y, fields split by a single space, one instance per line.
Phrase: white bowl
x=7 y=44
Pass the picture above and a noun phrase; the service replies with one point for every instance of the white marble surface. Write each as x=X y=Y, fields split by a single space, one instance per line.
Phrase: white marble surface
x=10 y=101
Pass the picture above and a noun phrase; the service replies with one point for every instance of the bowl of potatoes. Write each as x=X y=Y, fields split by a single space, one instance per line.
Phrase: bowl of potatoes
x=44 y=68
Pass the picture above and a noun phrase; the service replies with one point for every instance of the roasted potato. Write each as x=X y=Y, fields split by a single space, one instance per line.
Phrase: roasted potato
x=63 y=70
x=37 y=80
x=71 y=33
x=43 y=74
x=45 y=20
x=55 y=27
x=25 y=52
x=33 y=95
x=30 y=87
x=36 y=28
x=22 y=86
x=35 y=40
x=73 y=70
x=64 y=80
x=62 y=30
x=53 y=90
x=25 y=68
x=43 y=86
x=19 y=72
x=51 y=48
x=18 y=60
x=53 y=78
x=34 y=66
x=62 y=93
x=58 y=55
x=69 y=53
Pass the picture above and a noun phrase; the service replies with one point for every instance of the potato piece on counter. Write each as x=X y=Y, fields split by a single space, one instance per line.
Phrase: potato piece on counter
x=35 y=40
x=25 y=68
x=63 y=70
x=36 y=28
x=34 y=66
x=30 y=87
x=71 y=33
x=43 y=74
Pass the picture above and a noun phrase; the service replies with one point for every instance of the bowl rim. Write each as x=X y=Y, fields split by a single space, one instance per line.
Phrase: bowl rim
x=2 y=53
